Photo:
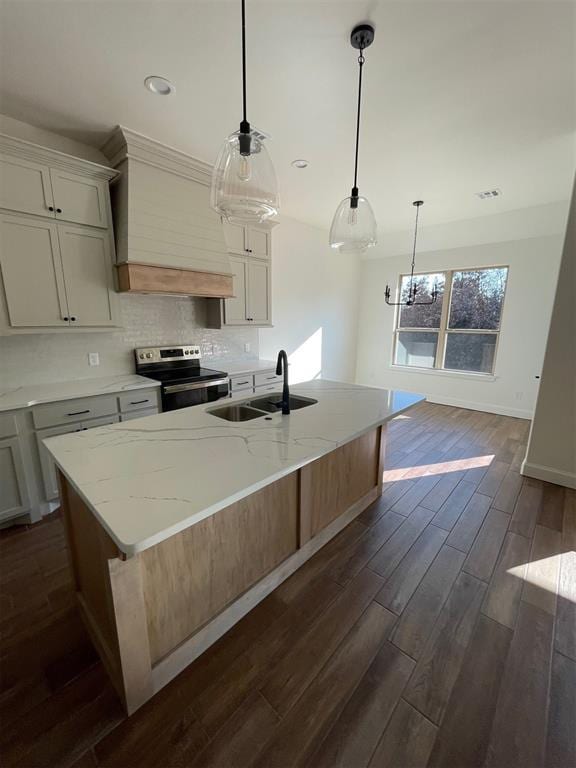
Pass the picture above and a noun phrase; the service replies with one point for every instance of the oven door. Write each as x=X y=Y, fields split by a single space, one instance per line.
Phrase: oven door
x=176 y=396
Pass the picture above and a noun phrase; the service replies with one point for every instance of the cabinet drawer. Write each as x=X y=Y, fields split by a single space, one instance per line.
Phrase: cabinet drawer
x=137 y=400
x=138 y=414
x=241 y=383
x=69 y=411
x=269 y=377
x=8 y=425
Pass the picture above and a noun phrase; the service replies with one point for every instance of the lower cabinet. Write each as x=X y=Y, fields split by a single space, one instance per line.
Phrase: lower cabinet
x=28 y=485
x=254 y=382
x=14 y=498
x=47 y=465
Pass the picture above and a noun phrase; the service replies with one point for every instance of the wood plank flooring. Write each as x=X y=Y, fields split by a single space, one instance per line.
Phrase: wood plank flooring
x=437 y=629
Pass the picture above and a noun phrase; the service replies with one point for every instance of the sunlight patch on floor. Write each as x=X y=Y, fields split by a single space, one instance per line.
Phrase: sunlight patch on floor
x=401 y=473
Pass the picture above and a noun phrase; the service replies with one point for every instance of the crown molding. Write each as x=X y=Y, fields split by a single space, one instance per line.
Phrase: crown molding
x=10 y=145
x=124 y=144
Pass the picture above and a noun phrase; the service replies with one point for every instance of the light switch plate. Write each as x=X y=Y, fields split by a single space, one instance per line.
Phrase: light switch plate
x=247 y=347
x=93 y=358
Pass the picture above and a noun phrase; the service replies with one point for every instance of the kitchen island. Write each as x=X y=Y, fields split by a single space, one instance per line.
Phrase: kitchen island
x=179 y=524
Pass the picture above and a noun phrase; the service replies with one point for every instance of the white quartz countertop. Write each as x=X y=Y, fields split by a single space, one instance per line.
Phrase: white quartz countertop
x=24 y=397
x=242 y=366
x=146 y=480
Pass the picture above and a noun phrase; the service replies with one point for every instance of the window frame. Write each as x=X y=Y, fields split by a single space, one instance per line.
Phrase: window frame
x=443 y=330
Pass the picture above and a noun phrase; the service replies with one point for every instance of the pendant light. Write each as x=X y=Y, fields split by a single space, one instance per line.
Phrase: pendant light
x=244 y=187
x=353 y=228
x=410 y=300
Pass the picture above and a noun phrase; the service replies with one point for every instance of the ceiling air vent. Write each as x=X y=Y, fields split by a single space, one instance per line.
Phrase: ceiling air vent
x=488 y=193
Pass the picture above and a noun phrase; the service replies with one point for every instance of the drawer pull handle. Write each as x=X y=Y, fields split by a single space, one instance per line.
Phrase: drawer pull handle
x=240 y=383
x=78 y=413
x=138 y=402
x=270 y=377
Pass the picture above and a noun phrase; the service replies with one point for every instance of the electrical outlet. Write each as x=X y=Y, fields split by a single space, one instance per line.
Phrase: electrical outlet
x=93 y=358
x=246 y=347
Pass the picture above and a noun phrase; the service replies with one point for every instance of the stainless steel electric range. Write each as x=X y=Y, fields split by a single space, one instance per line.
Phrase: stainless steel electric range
x=184 y=381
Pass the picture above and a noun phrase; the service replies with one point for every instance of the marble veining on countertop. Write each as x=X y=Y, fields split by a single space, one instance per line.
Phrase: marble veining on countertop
x=24 y=397
x=147 y=480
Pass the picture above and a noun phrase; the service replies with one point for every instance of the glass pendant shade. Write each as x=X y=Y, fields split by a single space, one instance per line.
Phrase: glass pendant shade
x=244 y=187
x=353 y=230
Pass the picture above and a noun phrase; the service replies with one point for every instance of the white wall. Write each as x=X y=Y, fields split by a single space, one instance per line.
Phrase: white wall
x=528 y=303
x=552 y=445
x=314 y=304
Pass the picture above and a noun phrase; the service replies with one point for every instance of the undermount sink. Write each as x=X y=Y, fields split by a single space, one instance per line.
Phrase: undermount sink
x=260 y=406
x=237 y=413
x=272 y=403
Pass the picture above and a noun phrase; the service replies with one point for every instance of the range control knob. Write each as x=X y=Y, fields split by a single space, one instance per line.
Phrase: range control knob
x=148 y=354
x=141 y=355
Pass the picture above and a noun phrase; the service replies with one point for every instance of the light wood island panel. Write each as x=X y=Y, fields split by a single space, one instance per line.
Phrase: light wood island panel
x=152 y=614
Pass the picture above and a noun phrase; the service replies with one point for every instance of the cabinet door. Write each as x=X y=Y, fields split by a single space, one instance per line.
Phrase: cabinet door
x=32 y=272
x=78 y=198
x=47 y=464
x=259 y=242
x=25 y=186
x=87 y=267
x=235 y=237
x=14 y=498
x=235 y=310
x=259 y=292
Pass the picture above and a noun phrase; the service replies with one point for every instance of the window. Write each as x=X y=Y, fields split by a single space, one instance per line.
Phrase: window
x=459 y=332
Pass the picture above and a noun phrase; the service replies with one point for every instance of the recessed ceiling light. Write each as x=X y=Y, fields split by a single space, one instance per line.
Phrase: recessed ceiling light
x=159 y=85
x=300 y=163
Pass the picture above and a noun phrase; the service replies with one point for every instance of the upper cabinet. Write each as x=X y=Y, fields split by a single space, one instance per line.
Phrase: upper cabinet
x=30 y=187
x=56 y=241
x=80 y=199
x=25 y=186
x=246 y=239
x=55 y=275
x=250 y=250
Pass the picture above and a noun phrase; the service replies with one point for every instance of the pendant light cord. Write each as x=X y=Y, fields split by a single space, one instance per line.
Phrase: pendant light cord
x=361 y=64
x=414 y=249
x=244 y=60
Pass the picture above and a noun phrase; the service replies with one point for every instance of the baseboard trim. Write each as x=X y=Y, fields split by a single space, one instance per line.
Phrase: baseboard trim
x=500 y=410
x=548 y=474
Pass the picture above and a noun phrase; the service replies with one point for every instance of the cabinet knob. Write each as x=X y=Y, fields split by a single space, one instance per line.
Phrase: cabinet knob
x=58 y=210
x=73 y=319
x=50 y=207
x=65 y=319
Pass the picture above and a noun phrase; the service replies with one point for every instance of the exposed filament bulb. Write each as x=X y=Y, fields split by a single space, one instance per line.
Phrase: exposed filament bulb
x=352 y=216
x=245 y=168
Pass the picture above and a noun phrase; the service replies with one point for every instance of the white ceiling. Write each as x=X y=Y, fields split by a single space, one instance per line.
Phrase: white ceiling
x=459 y=96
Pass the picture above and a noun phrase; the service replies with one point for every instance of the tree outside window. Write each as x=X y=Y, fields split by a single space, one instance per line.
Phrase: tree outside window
x=460 y=330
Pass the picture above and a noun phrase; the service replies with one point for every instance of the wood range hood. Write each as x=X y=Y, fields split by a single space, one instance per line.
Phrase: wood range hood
x=134 y=277
x=168 y=239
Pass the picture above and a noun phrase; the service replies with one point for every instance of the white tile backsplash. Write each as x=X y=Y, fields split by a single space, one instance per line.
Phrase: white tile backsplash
x=147 y=321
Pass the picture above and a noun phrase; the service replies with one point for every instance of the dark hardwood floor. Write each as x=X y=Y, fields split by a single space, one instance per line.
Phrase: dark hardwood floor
x=439 y=628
